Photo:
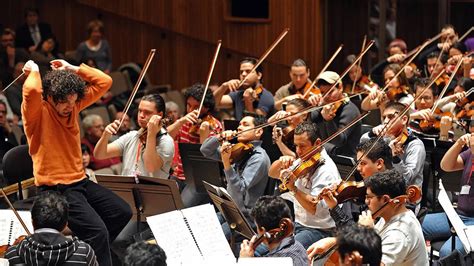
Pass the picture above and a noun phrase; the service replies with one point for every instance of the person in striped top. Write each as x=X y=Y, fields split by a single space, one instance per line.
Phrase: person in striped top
x=193 y=128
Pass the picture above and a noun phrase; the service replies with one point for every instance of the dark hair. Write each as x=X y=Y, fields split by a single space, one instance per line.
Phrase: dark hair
x=50 y=210
x=399 y=107
x=258 y=120
x=459 y=46
x=56 y=46
x=269 y=210
x=465 y=83
x=299 y=63
x=362 y=239
x=252 y=61
x=300 y=103
x=381 y=150
x=443 y=59
x=31 y=10
x=423 y=82
x=389 y=182
x=59 y=84
x=95 y=24
x=158 y=100
x=309 y=128
x=144 y=254
x=398 y=43
x=196 y=91
x=402 y=79
x=85 y=148
x=8 y=31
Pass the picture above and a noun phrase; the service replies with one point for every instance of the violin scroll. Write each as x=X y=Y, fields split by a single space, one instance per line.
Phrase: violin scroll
x=285 y=229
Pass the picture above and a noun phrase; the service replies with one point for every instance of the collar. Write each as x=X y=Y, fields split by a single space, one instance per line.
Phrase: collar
x=47 y=230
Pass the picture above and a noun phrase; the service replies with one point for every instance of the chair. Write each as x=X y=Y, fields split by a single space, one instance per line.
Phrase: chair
x=365 y=128
x=17 y=167
x=120 y=84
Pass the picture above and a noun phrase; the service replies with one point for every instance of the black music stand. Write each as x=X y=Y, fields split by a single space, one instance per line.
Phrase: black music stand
x=198 y=168
x=231 y=212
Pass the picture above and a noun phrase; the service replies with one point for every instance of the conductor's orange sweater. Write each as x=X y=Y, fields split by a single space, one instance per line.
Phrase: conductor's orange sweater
x=54 y=140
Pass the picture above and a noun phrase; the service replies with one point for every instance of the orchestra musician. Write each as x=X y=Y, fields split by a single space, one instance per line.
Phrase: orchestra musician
x=312 y=219
x=50 y=111
x=148 y=151
x=251 y=97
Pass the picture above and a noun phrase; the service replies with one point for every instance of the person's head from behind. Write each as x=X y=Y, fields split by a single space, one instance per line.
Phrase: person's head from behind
x=144 y=254
x=306 y=137
x=150 y=105
x=95 y=30
x=50 y=210
x=361 y=239
x=378 y=159
x=383 y=187
x=294 y=106
x=93 y=126
x=247 y=124
x=86 y=155
x=63 y=89
x=429 y=96
x=299 y=73
x=193 y=97
x=268 y=212
x=246 y=66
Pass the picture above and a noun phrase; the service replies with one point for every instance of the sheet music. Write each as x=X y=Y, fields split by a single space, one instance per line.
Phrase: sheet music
x=173 y=235
x=208 y=231
x=10 y=224
x=454 y=218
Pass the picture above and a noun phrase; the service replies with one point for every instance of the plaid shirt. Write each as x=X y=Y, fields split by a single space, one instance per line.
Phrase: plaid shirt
x=289 y=247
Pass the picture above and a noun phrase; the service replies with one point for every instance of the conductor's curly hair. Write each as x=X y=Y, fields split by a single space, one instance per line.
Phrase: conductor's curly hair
x=59 y=84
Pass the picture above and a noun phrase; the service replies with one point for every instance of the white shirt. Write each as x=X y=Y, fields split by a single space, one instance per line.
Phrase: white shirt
x=327 y=174
x=402 y=240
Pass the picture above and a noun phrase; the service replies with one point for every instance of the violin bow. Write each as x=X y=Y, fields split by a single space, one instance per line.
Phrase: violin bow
x=458 y=65
x=389 y=125
x=466 y=34
x=265 y=55
x=324 y=69
x=16 y=213
x=439 y=57
x=366 y=49
x=137 y=85
x=303 y=111
x=209 y=75
x=11 y=83
x=358 y=64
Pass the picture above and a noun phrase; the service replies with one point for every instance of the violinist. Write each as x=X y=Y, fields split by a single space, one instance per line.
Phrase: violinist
x=247 y=177
x=331 y=118
x=435 y=225
x=267 y=214
x=448 y=37
x=408 y=151
x=402 y=238
x=312 y=219
x=283 y=135
x=398 y=90
x=435 y=66
x=148 y=154
x=48 y=245
x=187 y=129
x=251 y=96
x=300 y=82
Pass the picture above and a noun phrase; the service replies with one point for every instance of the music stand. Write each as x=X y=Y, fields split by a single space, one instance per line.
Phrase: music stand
x=198 y=168
x=229 y=209
x=231 y=124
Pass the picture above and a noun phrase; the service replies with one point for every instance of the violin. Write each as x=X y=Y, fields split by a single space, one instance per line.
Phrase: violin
x=287 y=134
x=284 y=230
x=240 y=151
x=194 y=129
x=395 y=93
x=363 y=85
x=435 y=123
x=143 y=132
x=310 y=90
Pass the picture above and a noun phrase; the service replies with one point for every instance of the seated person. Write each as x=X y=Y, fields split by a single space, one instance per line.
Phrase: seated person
x=435 y=225
x=93 y=126
x=143 y=253
x=408 y=151
x=333 y=117
x=267 y=214
x=250 y=97
x=402 y=238
x=246 y=177
x=47 y=244
x=147 y=152
x=300 y=82
x=312 y=219
x=283 y=133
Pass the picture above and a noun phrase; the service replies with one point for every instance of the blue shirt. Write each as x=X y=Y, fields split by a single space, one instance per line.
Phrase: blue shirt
x=265 y=103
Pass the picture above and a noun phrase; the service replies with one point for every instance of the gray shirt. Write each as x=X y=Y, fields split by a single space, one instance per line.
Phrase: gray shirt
x=410 y=164
x=246 y=179
x=128 y=145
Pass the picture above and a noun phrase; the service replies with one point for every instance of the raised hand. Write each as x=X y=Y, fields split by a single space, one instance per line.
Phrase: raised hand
x=60 y=64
